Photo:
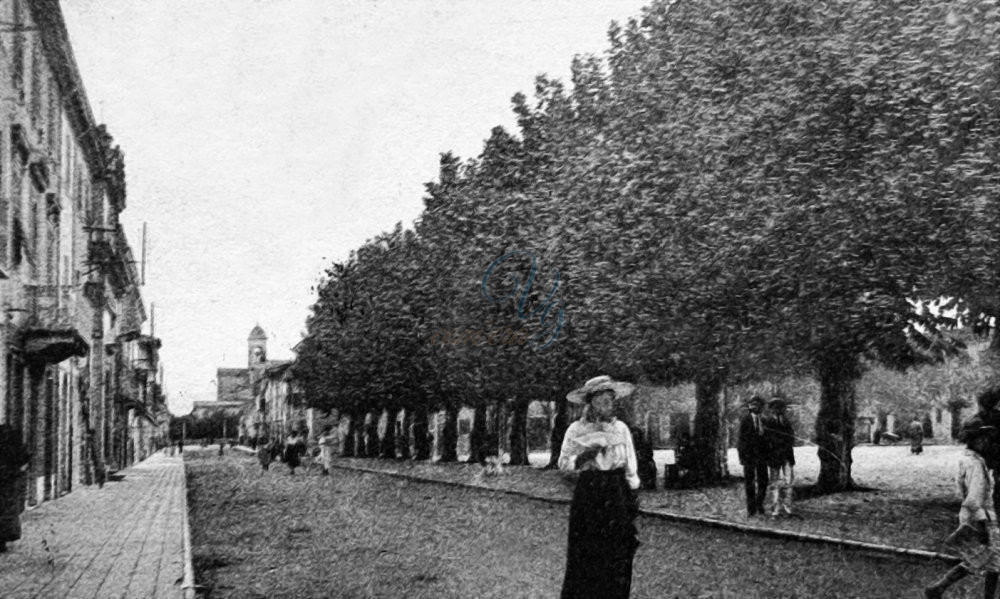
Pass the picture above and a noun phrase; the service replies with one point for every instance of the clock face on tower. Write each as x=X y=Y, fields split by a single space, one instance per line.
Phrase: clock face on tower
x=258 y=355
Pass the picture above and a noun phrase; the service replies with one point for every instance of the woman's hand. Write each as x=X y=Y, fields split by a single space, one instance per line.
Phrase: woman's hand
x=587 y=455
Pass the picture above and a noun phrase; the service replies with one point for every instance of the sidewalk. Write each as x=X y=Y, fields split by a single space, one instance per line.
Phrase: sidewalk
x=125 y=540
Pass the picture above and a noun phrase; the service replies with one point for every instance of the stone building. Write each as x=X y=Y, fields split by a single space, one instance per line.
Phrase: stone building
x=238 y=384
x=246 y=391
x=68 y=284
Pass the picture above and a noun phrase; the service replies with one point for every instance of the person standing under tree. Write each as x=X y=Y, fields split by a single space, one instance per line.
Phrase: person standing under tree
x=780 y=457
x=602 y=535
x=752 y=449
x=294 y=448
x=916 y=432
x=976 y=538
x=264 y=453
x=327 y=444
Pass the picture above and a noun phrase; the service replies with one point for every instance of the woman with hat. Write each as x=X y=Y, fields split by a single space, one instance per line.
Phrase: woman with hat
x=976 y=537
x=602 y=535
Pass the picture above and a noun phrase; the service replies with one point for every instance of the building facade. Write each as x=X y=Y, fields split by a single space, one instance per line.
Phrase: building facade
x=69 y=289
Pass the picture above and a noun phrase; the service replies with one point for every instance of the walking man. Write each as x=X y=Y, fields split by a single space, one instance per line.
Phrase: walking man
x=780 y=458
x=752 y=449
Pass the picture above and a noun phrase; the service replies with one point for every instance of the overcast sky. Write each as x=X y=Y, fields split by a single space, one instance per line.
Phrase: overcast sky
x=265 y=139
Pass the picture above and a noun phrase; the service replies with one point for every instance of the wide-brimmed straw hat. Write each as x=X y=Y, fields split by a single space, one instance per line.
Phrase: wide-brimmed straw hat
x=601 y=383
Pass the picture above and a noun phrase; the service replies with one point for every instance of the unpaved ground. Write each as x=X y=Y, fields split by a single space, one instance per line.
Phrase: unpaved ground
x=911 y=502
x=360 y=535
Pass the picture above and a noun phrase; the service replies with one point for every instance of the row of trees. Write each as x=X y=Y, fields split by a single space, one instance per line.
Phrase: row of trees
x=740 y=190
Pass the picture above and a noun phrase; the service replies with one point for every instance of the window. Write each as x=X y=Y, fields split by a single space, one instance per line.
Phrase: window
x=4 y=216
x=17 y=74
x=35 y=102
x=34 y=239
x=55 y=123
x=17 y=228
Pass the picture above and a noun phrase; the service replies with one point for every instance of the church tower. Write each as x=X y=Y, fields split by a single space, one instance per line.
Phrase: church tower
x=256 y=347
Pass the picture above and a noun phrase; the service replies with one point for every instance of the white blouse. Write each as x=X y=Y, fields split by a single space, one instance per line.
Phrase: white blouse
x=619 y=452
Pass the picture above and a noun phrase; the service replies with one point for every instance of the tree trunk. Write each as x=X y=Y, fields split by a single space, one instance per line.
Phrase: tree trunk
x=559 y=425
x=388 y=449
x=491 y=444
x=449 y=435
x=835 y=421
x=421 y=442
x=503 y=427
x=371 y=435
x=404 y=442
x=477 y=437
x=708 y=457
x=519 y=434
x=350 y=444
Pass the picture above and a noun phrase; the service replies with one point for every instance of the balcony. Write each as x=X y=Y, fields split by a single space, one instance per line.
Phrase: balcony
x=104 y=255
x=49 y=335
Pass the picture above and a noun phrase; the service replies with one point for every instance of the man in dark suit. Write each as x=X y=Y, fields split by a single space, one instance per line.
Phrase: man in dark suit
x=752 y=448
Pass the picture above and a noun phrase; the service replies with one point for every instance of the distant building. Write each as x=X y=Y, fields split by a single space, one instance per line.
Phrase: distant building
x=236 y=393
x=242 y=384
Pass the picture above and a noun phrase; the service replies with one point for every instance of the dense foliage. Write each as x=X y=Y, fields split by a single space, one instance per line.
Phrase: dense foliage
x=741 y=190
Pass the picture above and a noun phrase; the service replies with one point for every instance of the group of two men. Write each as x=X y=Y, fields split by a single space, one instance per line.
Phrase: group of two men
x=766 y=449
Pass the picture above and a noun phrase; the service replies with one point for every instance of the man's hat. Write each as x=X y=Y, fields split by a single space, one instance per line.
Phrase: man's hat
x=777 y=403
x=600 y=383
x=975 y=427
x=988 y=398
x=756 y=399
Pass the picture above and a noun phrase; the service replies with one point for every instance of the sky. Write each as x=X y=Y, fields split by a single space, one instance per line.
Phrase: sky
x=266 y=139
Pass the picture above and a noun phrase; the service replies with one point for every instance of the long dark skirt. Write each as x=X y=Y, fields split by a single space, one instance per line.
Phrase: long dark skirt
x=602 y=537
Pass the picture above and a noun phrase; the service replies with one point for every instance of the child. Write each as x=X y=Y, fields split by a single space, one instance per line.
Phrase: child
x=780 y=458
x=294 y=448
x=976 y=539
x=327 y=445
x=264 y=453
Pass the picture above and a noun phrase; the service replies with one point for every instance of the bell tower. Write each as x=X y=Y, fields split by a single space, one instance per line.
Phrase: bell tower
x=256 y=347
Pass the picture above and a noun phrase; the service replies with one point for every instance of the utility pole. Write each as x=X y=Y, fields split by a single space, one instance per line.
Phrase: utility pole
x=143 y=275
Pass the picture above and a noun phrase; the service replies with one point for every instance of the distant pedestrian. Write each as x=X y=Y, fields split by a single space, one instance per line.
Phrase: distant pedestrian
x=327 y=444
x=180 y=445
x=976 y=538
x=916 y=432
x=13 y=484
x=222 y=445
x=780 y=458
x=752 y=449
x=295 y=447
x=645 y=464
x=917 y=436
x=264 y=455
x=602 y=535
x=96 y=463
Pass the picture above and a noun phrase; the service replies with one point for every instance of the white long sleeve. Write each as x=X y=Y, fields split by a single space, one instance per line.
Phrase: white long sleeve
x=619 y=452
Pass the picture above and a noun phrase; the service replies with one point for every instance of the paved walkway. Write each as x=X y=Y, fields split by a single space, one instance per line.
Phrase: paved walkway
x=125 y=540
